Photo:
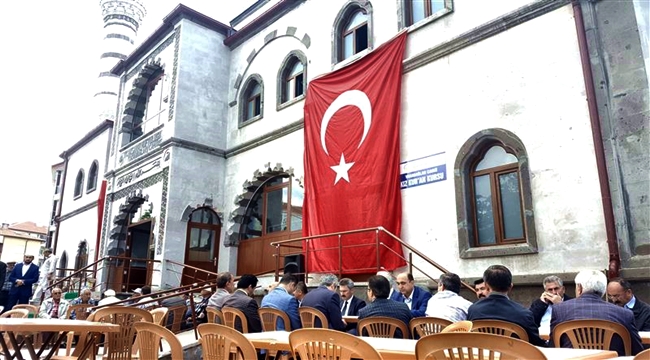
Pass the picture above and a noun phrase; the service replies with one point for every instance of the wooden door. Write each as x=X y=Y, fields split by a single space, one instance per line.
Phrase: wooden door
x=201 y=252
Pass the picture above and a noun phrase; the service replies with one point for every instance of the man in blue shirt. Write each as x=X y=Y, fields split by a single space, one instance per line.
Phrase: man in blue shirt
x=281 y=298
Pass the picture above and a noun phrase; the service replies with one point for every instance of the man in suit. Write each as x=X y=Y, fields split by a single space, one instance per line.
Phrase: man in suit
x=413 y=296
x=619 y=291
x=325 y=299
x=542 y=308
x=225 y=287
x=242 y=299
x=589 y=304
x=281 y=298
x=350 y=304
x=22 y=277
x=6 y=285
x=380 y=305
x=497 y=305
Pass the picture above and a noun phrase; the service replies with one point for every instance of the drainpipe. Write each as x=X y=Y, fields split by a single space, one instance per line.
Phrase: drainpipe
x=610 y=224
x=60 y=206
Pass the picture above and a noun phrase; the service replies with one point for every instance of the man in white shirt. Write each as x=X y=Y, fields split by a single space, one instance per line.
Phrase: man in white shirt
x=109 y=298
x=45 y=275
x=350 y=304
x=446 y=303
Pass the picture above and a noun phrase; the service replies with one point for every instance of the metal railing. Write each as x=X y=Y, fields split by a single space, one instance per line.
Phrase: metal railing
x=379 y=245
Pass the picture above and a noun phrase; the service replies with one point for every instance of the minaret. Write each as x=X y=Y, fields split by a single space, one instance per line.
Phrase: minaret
x=122 y=18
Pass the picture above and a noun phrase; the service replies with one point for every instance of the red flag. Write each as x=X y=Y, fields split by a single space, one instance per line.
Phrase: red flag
x=352 y=132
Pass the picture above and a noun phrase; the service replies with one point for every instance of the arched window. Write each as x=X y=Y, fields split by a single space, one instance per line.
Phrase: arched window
x=292 y=79
x=352 y=32
x=203 y=234
x=81 y=259
x=63 y=264
x=152 y=105
x=252 y=99
x=496 y=211
x=79 y=184
x=276 y=207
x=92 y=177
x=425 y=11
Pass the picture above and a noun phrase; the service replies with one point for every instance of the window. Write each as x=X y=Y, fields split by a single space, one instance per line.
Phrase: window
x=152 y=107
x=275 y=208
x=352 y=32
x=55 y=206
x=292 y=81
x=79 y=184
x=423 y=11
x=57 y=182
x=252 y=99
x=92 y=177
x=81 y=260
x=495 y=202
x=146 y=104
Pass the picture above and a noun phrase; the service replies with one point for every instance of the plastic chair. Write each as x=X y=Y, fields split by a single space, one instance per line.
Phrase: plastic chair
x=382 y=327
x=120 y=344
x=13 y=314
x=217 y=342
x=423 y=326
x=81 y=313
x=643 y=355
x=308 y=316
x=159 y=315
x=215 y=316
x=178 y=314
x=149 y=336
x=32 y=309
x=453 y=346
x=270 y=318
x=233 y=317
x=498 y=327
x=326 y=344
x=592 y=334
x=459 y=326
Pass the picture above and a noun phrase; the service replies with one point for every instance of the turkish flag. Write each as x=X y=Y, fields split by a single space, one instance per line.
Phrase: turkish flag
x=352 y=153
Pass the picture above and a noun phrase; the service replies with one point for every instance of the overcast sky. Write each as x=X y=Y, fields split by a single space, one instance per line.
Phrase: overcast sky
x=49 y=66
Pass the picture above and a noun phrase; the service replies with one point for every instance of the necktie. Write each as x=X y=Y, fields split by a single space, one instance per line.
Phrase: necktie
x=345 y=308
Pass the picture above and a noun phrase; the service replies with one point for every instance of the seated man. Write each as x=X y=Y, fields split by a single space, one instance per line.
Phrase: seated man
x=325 y=299
x=84 y=298
x=446 y=303
x=300 y=292
x=54 y=307
x=110 y=297
x=619 y=291
x=589 y=304
x=380 y=305
x=281 y=298
x=242 y=299
x=481 y=289
x=350 y=304
x=497 y=305
x=225 y=287
x=543 y=307
x=145 y=299
x=413 y=296
x=200 y=314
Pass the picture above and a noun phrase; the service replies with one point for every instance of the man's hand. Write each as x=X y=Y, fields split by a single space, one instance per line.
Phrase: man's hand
x=20 y=282
x=550 y=298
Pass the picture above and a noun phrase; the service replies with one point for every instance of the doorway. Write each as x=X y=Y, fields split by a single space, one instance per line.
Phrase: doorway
x=139 y=250
x=202 y=246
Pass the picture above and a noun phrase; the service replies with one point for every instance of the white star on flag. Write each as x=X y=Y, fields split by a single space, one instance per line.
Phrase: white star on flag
x=342 y=170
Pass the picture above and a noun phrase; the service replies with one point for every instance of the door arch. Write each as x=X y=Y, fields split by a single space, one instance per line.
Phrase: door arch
x=202 y=244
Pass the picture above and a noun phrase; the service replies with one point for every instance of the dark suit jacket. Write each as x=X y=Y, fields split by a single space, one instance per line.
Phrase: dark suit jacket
x=354 y=306
x=538 y=308
x=388 y=308
x=30 y=278
x=328 y=302
x=420 y=300
x=240 y=300
x=641 y=312
x=592 y=306
x=499 y=307
x=3 y=272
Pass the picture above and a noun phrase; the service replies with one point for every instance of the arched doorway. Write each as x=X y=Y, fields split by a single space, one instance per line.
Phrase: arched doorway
x=202 y=244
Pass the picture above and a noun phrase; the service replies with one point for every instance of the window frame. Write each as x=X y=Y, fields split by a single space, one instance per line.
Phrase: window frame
x=468 y=157
x=354 y=32
x=405 y=14
x=245 y=98
x=287 y=64
x=90 y=184
x=341 y=22
x=79 y=184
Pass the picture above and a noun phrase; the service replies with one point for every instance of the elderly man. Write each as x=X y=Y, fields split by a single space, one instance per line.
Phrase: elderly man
x=85 y=297
x=619 y=291
x=242 y=299
x=542 y=308
x=281 y=298
x=481 y=289
x=110 y=297
x=325 y=299
x=447 y=303
x=22 y=277
x=380 y=305
x=46 y=274
x=54 y=307
x=497 y=305
x=413 y=296
x=589 y=304
x=225 y=287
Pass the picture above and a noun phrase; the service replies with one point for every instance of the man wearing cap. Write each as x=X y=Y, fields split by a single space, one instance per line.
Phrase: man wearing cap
x=46 y=274
x=109 y=298
x=22 y=277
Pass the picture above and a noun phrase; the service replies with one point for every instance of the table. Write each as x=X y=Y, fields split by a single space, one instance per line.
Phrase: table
x=351 y=319
x=13 y=326
x=404 y=349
